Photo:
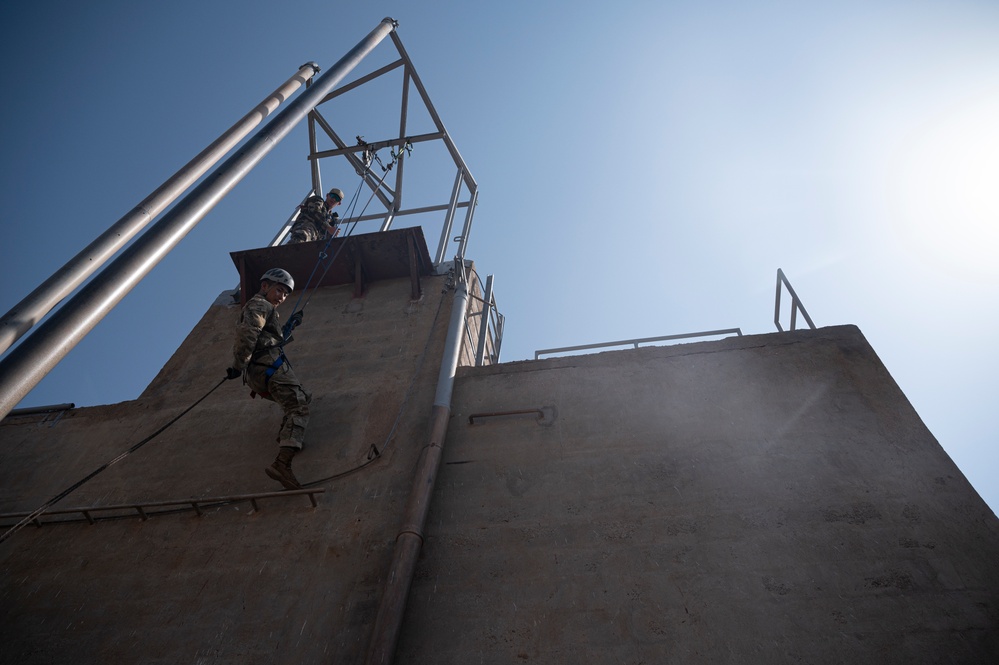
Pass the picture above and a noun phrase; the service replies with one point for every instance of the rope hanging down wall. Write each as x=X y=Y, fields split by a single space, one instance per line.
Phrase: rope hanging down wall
x=75 y=486
x=373 y=453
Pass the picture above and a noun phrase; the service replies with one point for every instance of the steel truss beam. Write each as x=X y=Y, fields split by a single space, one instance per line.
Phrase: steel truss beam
x=465 y=191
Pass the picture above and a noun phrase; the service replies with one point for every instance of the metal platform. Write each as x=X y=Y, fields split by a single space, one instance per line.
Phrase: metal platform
x=354 y=260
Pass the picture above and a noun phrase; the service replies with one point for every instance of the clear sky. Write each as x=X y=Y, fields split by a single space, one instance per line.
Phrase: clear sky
x=644 y=169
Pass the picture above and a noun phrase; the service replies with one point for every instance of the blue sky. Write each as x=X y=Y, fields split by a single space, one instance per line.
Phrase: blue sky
x=644 y=169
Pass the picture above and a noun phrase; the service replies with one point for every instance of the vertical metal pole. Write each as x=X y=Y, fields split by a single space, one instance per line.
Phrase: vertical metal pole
x=498 y=340
x=487 y=308
x=21 y=371
x=403 y=117
x=455 y=155
x=40 y=302
x=780 y=274
x=472 y=201
x=388 y=622
x=317 y=180
x=449 y=218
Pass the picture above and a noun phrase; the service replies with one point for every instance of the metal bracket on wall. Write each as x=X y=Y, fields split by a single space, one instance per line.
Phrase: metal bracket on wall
x=546 y=414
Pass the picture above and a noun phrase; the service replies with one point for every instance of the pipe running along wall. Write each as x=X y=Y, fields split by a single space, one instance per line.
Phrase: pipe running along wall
x=61 y=283
x=388 y=622
x=22 y=370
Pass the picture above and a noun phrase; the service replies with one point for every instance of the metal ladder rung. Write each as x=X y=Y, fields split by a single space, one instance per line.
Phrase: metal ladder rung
x=140 y=509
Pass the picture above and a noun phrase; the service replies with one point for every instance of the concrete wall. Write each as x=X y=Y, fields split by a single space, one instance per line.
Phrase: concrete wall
x=285 y=584
x=765 y=499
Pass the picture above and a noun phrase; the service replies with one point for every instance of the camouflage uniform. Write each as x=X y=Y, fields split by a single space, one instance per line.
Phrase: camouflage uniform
x=311 y=222
x=257 y=348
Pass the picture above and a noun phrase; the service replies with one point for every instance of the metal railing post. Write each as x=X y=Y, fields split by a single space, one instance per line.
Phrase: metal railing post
x=467 y=229
x=795 y=304
x=487 y=308
x=449 y=218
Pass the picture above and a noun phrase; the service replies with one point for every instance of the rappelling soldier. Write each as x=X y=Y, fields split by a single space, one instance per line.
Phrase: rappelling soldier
x=316 y=218
x=258 y=356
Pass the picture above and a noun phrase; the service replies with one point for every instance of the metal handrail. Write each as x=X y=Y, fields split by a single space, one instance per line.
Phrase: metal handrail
x=486 y=345
x=795 y=304
x=643 y=340
x=196 y=504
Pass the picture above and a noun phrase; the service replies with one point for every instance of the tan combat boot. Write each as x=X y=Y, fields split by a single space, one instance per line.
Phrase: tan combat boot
x=280 y=469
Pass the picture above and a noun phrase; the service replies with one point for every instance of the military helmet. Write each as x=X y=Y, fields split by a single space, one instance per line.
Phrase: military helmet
x=279 y=276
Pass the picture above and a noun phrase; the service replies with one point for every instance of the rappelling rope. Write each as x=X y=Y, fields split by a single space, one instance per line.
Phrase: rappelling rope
x=323 y=255
x=374 y=453
x=75 y=486
x=407 y=149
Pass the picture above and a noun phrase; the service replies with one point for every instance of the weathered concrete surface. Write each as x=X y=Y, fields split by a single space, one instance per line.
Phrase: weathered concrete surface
x=765 y=499
x=287 y=584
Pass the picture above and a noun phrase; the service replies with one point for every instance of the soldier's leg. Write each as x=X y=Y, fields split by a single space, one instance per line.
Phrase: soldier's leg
x=288 y=392
x=295 y=401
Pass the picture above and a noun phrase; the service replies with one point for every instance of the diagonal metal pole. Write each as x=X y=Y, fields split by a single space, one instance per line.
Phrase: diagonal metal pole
x=36 y=356
x=61 y=283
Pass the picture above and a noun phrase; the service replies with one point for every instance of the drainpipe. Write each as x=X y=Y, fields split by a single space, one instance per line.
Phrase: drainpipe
x=410 y=539
x=61 y=283
x=21 y=370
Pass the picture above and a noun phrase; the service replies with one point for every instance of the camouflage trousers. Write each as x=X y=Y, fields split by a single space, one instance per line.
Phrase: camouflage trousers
x=287 y=392
x=304 y=231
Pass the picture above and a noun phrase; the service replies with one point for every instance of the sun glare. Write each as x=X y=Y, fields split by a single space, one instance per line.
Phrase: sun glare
x=946 y=189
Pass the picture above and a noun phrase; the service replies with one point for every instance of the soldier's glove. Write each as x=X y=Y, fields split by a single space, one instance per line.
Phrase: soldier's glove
x=332 y=223
x=233 y=373
x=293 y=322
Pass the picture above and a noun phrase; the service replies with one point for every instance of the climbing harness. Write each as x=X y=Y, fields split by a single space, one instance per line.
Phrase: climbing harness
x=75 y=486
x=269 y=372
x=277 y=363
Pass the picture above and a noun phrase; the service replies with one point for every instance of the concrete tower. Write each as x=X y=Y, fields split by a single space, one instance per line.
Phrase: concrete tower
x=766 y=499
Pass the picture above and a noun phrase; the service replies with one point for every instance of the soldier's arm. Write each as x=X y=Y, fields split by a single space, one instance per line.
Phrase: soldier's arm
x=251 y=322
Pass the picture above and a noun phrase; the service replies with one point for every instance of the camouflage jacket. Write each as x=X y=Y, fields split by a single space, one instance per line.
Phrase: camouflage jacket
x=311 y=222
x=258 y=334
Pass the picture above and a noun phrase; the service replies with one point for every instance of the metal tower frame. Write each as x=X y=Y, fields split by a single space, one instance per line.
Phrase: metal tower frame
x=464 y=193
x=21 y=370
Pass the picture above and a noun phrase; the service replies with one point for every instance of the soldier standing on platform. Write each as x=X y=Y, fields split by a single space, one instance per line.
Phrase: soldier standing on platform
x=316 y=218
